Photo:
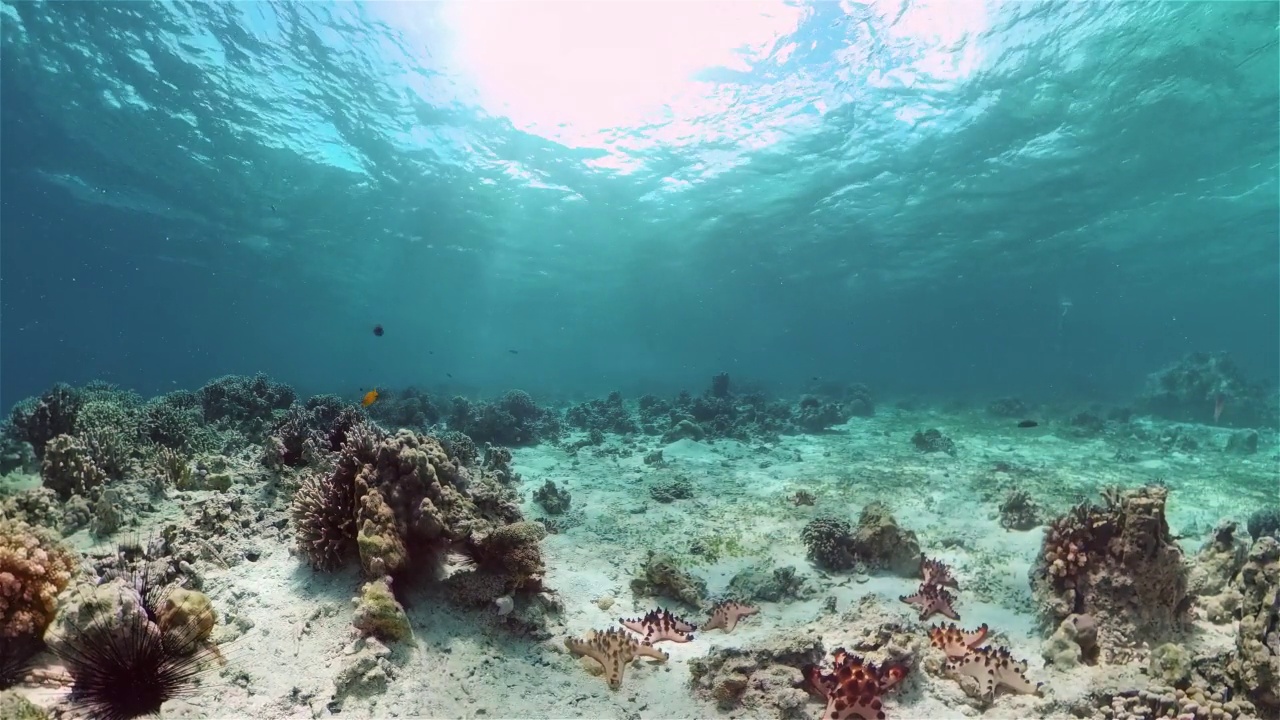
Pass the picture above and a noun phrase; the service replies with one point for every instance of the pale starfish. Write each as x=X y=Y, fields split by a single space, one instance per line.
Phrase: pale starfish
x=727 y=614
x=614 y=650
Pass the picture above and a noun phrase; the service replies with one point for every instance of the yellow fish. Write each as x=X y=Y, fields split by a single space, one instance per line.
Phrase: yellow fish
x=370 y=398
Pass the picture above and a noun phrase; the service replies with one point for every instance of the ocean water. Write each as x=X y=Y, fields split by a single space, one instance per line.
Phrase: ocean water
x=376 y=355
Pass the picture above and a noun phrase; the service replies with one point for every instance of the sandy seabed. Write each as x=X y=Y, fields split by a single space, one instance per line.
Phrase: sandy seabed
x=292 y=643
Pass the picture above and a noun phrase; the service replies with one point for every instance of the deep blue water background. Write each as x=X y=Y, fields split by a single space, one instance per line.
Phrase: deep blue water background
x=167 y=221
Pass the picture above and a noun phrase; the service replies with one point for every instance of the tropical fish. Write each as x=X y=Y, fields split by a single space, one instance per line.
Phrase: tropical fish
x=370 y=398
x=1028 y=424
x=377 y=330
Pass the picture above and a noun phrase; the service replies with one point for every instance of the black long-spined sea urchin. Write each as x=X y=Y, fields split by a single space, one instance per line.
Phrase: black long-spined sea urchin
x=16 y=654
x=128 y=667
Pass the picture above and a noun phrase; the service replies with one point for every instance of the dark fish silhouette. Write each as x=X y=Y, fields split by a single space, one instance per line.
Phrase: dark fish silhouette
x=1028 y=424
x=514 y=352
x=448 y=374
x=377 y=330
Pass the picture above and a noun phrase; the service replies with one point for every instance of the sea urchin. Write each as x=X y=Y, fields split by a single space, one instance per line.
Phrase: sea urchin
x=127 y=667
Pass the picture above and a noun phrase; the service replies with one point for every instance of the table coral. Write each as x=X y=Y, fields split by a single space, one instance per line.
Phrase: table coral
x=34 y=568
x=614 y=650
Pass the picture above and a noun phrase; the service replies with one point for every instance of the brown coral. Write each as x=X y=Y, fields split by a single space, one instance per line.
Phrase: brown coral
x=614 y=650
x=68 y=467
x=1119 y=564
x=34 y=568
x=853 y=687
x=659 y=625
x=726 y=615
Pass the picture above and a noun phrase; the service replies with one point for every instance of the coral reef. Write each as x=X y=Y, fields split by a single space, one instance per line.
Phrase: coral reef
x=68 y=469
x=878 y=542
x=1255 y=664
x=39 y=420
x=1019 y=511
x=1166 y=702
x=409 y=408
x=1073 y=643
x=764 y=679
x=759 y=582
x=881 y=543
x=1202 y=384
x=830 y=543
x=671 y=489
x=1118 y=564
x=34 y=568
x=932 y=441
x=1264 y=521
x=814 y=416
x=551 y=498
x=379 y=614
x=661 y=576
x=1213 y=574
x=514 y=420
x=608 y=415
x=614 y=650
x=248 y=404
x=1009 y=407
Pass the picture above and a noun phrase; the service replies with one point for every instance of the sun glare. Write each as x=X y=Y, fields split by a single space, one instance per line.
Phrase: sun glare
x=573 y=70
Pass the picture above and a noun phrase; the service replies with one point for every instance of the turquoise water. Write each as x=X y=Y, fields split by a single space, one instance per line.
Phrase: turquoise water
x=1054 y=197
x=398 y=359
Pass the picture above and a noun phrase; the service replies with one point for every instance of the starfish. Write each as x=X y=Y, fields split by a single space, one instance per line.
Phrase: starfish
x=993 y=668
x=936 y=572
x=932 y=599
x=953 y=641
x=727 y=614
x=614 y=650
x=659 y=625
x=853 y=687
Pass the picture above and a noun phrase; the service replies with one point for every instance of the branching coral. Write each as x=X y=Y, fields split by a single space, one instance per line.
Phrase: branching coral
x=553 y=499
x=660 y=625
x=40 y=420
x=853 y=687
x=726 y=614
x=614 y=650
x=34 y=568
x=324 y=520
x=68 y=468
x=830 y=543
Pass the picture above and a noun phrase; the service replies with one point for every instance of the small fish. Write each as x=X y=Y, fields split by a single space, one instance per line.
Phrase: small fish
x=273 y=208
x=1028 y=424
x=1219 y=402
x=377 y=330
x=448 y=375
x=370 y=398
x=514 y=352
